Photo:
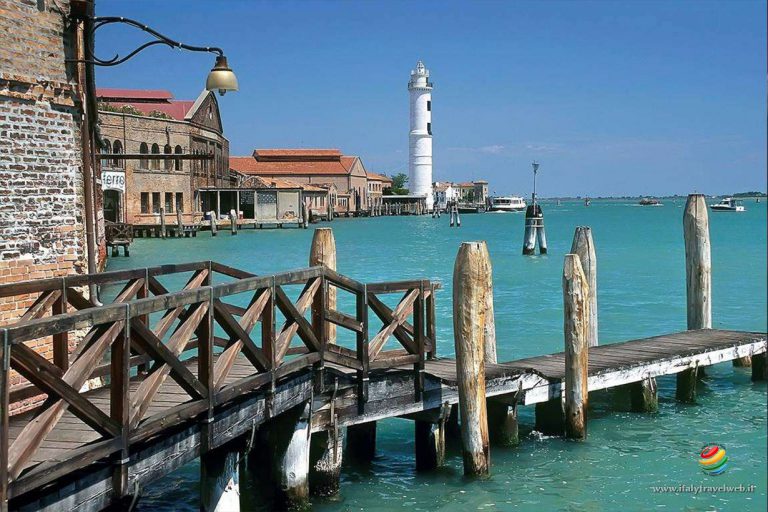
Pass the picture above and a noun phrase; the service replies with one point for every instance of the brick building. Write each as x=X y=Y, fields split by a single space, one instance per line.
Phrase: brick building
x=377 y=184
x=45 y=165
x=327 y=168
x=151 y=122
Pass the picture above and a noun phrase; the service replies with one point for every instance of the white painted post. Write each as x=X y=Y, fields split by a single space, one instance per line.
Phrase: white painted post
x=220 y=481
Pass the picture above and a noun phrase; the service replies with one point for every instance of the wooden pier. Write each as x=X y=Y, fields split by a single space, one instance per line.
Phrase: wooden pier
x=263 y=359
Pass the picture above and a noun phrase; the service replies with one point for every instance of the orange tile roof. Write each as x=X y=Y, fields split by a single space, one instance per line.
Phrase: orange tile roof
x=296 y=153
x=379 y=177
x=282 y=164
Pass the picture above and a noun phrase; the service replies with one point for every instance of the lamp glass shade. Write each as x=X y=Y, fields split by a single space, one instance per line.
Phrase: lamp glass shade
x=221 y=78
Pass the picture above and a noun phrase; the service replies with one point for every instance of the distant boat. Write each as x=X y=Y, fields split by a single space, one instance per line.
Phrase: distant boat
x=507 y=204
x=587 y=202
x=728 y=204
x=471 y=208
x=648 y=201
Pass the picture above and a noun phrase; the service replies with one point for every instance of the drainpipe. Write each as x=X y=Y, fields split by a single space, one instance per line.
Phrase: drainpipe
x=86 y=95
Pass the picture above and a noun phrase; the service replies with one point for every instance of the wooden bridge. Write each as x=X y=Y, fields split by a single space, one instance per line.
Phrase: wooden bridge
x=85 y=445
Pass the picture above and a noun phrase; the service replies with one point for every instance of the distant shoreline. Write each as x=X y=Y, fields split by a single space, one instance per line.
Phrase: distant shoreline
x=750 y=195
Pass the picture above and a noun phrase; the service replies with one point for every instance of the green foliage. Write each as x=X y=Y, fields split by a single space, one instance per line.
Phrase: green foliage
x=399 y=181
x=128 y=109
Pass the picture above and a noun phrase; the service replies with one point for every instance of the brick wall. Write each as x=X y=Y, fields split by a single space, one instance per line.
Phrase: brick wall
x=41 y=187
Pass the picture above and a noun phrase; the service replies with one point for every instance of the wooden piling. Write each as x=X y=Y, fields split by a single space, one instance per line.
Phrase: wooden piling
x=576 y=331
x=584 y=247
x=233 y=221
x=325 y=458
x=529 y=237
x=219 y=480
x=644 y=396
x=323 y=252
x=361 y=442
x=288 y=436
x=162 y=222
x=686 y=385
x=430 y=445
x=759 y=367
x=469 y=318
x=214 y=227
x=179 y=223
x=304 y=215
x=550 y=417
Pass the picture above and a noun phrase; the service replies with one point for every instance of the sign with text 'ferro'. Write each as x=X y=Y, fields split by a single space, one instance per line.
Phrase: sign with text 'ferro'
x=113 y=180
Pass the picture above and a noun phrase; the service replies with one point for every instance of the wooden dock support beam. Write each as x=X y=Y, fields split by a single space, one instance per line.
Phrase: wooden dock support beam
x=323 y=252
x=430 y=444
x=325 y=455
x=644 y=396
x=289 y=436
x=584 y=247
x=469 y=317
x=550 y=417
x=220 y=480
x=576 y=327
x=361 y=442
x=686 y=385
x=759 y=367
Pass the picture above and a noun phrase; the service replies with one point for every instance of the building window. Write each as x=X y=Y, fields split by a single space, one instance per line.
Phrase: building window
x=429 y=128
x=179 y=202
x=169 y=202
x=177 y=161
x=155 y=202
x=155 y=161
x=117 y=148
x=429 y=106
x=168 y=162
x=107 y=149
x=145 y=202
x=144 y=149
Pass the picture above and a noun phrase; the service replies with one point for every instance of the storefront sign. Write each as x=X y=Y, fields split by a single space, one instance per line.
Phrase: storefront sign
x=113 y=180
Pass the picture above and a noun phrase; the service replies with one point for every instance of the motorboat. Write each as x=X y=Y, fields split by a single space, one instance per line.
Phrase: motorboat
x=507 y=204
x=648 y=201
x=728 y=204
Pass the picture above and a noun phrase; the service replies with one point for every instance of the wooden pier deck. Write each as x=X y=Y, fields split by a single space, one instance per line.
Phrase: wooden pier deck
x=185 y=372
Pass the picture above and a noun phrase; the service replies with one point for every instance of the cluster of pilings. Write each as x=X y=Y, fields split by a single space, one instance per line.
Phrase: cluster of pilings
x=534 y=230
x=417 y=208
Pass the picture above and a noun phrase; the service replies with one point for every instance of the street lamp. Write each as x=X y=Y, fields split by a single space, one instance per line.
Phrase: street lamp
x=221 y=78
x=535 y=166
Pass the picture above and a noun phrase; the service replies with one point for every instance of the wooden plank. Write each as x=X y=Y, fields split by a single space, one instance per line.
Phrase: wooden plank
x=294 y=315
x=398 y=317
x=343 y=320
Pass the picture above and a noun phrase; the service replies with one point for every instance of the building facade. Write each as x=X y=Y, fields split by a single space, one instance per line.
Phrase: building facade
x=151 y=122
x=377 y=184
x=420 y=135
x=45 y=164
x=444 y=193
x=327 y=168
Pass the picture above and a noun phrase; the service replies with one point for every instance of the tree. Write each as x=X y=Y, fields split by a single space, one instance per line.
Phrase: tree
x=398 y=184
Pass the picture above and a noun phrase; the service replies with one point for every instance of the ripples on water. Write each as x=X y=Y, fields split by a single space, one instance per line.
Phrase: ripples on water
x=642 y=292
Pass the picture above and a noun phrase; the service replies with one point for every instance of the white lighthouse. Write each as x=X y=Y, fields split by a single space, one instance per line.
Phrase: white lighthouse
x=420 y=138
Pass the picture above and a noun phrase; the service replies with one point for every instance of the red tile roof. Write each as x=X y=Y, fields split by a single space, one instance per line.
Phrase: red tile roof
x=379 y=177
x=286 y=162
x=146 y=101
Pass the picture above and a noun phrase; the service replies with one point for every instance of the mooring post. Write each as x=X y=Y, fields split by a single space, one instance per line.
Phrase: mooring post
x=361 y=442
x=220 y=480
x=698 y=281
x=644 y=396
x=214 y=227
x=325 y=458
x=584 y=247
x=469 y=317
x=534 y=228
x=233 y=221
x=576 y=331
x=162 y=222
x=179 y=222
x=288 y=436
x=323 y=252
x=304 y=215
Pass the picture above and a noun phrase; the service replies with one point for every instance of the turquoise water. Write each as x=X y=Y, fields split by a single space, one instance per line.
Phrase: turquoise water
x=641 y=281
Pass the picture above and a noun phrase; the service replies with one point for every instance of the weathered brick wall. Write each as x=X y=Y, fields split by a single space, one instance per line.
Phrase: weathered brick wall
x=41 y=187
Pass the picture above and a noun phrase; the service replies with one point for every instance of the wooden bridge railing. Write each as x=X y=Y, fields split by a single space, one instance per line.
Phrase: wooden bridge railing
x=194 y=336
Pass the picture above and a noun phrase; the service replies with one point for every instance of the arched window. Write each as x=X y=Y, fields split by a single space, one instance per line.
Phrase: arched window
x=144 y=149
x=105 y=150
x=177 y=161
x=117 y=148
x=155 y=151
x=168 y=162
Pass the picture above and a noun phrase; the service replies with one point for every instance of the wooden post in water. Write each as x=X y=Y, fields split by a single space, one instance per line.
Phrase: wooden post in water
x=430 y=443
x=534 y=228
x=214 y=227
x=219 y=479
x=644 y=395
x=288 y=436
x=304 y=215
x=323 y=252
x=576 y=330
x=759 y=367
x=361 y=442
x=469 y=317
x=584 y=247
x=233 y=221
x=179 y=223
x=698 y=281
x=325 y=456
x=162 y=222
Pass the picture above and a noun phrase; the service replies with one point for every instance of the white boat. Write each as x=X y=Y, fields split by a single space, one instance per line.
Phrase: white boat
x=507 y=204
x=728 y=204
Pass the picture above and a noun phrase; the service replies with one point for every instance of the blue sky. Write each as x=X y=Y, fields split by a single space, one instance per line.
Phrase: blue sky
x=611 y=98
